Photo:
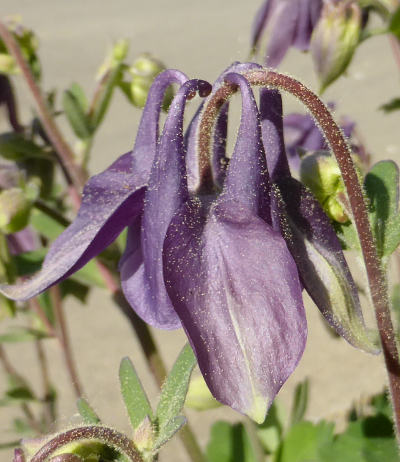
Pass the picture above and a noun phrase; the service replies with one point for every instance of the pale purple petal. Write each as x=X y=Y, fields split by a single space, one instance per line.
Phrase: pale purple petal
x=235 y=287
x=166 y=192
x=320 y=261
x=110 y=201
x=282 y=33
x=218 y=156
x=261 y=21
x=147 y=134
x=247 y=178
x=309 y=12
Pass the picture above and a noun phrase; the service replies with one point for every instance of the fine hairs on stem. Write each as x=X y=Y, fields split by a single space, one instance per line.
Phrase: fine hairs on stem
x=335 y=138
x=105 y=435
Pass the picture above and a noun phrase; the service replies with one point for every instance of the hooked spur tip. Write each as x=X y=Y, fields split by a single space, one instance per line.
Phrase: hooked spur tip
x=202 y=87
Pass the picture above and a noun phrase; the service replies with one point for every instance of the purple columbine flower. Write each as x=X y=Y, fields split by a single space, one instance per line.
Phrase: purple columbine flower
x=225 y=259
x=291 y=23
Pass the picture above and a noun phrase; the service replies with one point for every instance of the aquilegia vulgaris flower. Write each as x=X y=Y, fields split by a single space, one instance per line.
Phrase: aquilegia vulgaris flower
x=225 y=255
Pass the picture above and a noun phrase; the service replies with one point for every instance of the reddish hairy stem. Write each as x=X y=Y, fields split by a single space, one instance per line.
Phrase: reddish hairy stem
x=106 y=435
x=335 y=138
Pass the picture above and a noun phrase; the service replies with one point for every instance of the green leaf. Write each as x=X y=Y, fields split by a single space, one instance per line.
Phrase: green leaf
x=29 y=262
x=394 y=23
x=174 y=390
x=87 y=413
x=395 y=299
x=367 y=440
x=79 y=121
x=71 y=287
x=22 y=335
x=90 y=275
x=382 y=188
x=17 y=147
x=229 y=443
x=80 y=96
x=300 y=402
x=135 y=398
x=305 y=441
x=45 y=225
x=391 y=106
x=392 y=237
x=169 y=430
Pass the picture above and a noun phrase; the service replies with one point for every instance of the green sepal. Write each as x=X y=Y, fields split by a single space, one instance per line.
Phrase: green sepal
x=17 y=147
x=135 y=398
x=75 y=112
x=174 y=390
x=169 y=430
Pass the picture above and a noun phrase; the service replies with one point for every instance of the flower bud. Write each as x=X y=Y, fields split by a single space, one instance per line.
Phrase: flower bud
x=334 y=40
x=7 y=64
x=144 y=70
x=320 y=172
x=27 y=41
x=199 y=396
x=114 y=58
x=14 y=210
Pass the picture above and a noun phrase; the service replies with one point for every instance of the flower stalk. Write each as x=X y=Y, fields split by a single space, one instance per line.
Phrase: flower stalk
x=339 y=146
x=105 y=435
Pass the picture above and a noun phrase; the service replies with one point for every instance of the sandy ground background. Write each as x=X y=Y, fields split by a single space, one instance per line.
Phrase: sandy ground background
x=200 y=38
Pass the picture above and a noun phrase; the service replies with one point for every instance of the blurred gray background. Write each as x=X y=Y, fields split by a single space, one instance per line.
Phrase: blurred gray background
x=201 y=39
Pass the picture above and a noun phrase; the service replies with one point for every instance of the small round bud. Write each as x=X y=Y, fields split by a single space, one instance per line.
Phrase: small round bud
x=335 y=39
x=320 y=172
x=144 y=70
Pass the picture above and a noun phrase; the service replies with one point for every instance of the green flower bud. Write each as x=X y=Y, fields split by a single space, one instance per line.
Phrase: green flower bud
x=334 y=40
x=114 y=59
x=144 y=70
x=27 y=41
x=199 y=396
x=14 y=210
x=8 y=64
x=320 y=172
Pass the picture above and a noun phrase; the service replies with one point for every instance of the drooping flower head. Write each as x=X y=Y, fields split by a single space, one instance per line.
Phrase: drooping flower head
x=221 y=246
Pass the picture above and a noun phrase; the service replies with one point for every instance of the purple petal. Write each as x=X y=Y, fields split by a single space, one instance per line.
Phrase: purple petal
x=272 y=133
x=260 y=21
x=309 y=12
x=219 y=159
x=283 y=32
x=147 y=134
x=319 y=258
x=111 y=200
x=247 y=178
x=167 y=191
x=235 y=288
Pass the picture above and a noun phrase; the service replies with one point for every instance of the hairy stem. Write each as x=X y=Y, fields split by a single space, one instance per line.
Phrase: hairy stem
x=52 y=131
x=64 y=340
x=339 y=146
x=105 y=435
